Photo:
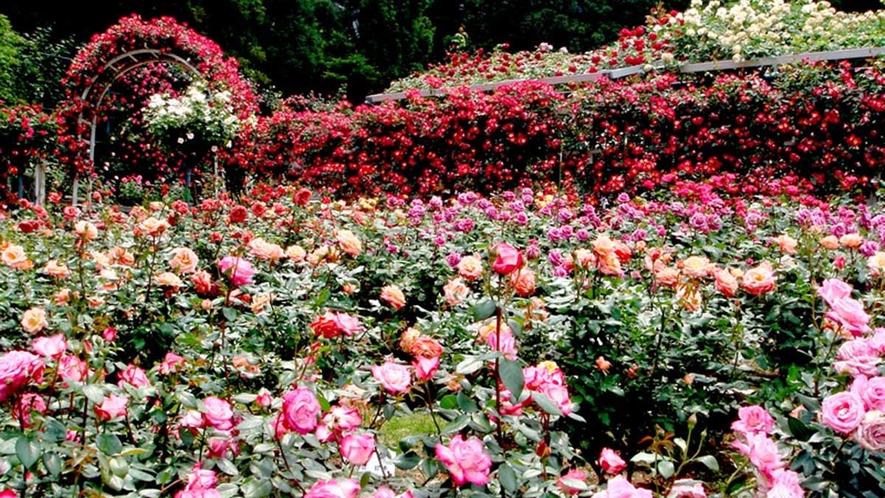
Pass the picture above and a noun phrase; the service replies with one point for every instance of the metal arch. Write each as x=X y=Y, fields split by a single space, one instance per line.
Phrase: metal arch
x=137 y=60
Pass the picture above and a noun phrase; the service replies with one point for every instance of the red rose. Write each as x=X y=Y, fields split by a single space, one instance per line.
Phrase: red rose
x=301 y=197
x=238 y=214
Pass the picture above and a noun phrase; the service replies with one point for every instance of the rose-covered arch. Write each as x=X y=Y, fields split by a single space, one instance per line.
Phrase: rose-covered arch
x=131 y=44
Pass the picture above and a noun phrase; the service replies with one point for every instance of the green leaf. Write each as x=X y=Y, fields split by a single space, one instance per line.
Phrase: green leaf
x=55 y=431
x=250 y=422
x=407 y=461
x=468 y=365
x=799 y=430
x=709 y=461
x=27 y=449
x=109 y=444
x=449 y=402
x=53 y=463
x=666 y=469
x=227 y=467
x=507 y=477
x=93 y=393
x=546 y=404
x=257 y=488
x=456 y=425
x=230 y=314
x=465 y=403
x=512 y=377
x=245 y=398
x=483 y=310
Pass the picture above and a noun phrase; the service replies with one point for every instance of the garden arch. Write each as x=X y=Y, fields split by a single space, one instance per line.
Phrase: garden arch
x=131 y=44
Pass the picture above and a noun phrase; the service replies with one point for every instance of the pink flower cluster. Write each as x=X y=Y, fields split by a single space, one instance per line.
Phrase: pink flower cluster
x=547 y=378
x=775 y=480
x=200 y=484
x=17 y=368
x=466 y=460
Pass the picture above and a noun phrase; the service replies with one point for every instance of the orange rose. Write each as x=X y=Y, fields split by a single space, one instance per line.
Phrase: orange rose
x=168 y=279
x=259 y=301
x=696 y=267
x=455 y=291
x=152 y=227
x=408 y=338
x=759 y=280
x=726 y=283
x=876 y=263
x=667 y=276
x=425 y=347
x=830 y=242
x=851 y=240
x=34 y=320
x=296 y=253
x=393 y=296
x=603 y=364
x=470 y=267
x=608 y=264
x=523 y=282
x=86 y=230
x=184 y=260
x=121 y=256
x=348 y=242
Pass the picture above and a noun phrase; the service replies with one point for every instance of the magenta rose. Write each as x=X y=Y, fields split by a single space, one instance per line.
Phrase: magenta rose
x=239 y=270
x=383 y=492
x=218 y=413
x=50 y=347
x=871 y=432
x=348 y=488
x=753 y=419
x=843 y=412
x=112 y=406
x=833 y=289
x=507 y=259
x=16 y=369
x=395 y=378
x=871 y=391
x=425 y=368
x=357 y=449
x=611 y=462
x=466 y=461
x=133 y=376
x=300 y=410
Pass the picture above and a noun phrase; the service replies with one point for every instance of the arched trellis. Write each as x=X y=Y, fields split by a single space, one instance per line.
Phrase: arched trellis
x=128 y=45
x=116 y=68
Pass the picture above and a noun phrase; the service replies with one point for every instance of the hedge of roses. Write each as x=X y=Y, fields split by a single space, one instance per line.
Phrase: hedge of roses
x=818 y=123
x=720 y=346
x=27 y=134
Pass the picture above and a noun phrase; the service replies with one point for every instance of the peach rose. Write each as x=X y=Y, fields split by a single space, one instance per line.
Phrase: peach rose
x=168 y=279
x=609 y=264
x=523 y=282
x=455 y=291
x=100 y=259
x=470 y=267
x=667 y=276
x=393 y=296
x=34 y=320
x=55 y=270
x=296 y=253
x=759 y=280
x=152 y=227
x=726 y=283
x=786 y=243
x=265 y=250
x=121 y=256
x=86 y=230
x=410 y=335
x=184 y=260
x=348 y=242
x=696 y=267
x=851 y=240
x=830 y=242
x=14 y=256
x=259 y=301
x=876 y=263
x=585 y=258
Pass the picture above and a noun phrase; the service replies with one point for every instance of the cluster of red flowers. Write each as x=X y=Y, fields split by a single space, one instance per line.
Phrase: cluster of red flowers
x=26 y=133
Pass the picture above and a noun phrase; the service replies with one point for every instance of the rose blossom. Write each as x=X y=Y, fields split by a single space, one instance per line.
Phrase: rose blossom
x=523 y=282
x=857 y=357
x=785 y=484
x=393 y=377
x=332 y=324
x=348 y=242
x=266 y=251
x=843 y=412
x=16 y=369
x=686 y=488
x=762 y=452
x=507 y=259
x=72 y=368
x=300 y=411
x=241 y=271
x=348 y=488
x=832 y=289
x=611 y=462
x=455 y=291
x=871 y=391
x=55 y=270
x=726 y=283
x=111 y=407
x=759 y=280
x=34 y=320
x=50 y=347
x=393 y=295
x=382 y=492
x=218 y=413
x=184 y=260
x=619 y=487
x=470 y=267
x=425 y=368
x=871 y=433
x=26 y=404
x=357 y=449
x=133 y=376
x=696 y=267
x=753 y=419
x=466 y=461
x=850 y=314
x=14 y=256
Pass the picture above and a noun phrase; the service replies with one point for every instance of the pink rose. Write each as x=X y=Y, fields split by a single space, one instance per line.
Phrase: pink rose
x=16 y=369
x=871 y=432
x=357 y=449
x=871 y=391
x=687 y=489
x=857 y=357
x=393 y=377
x=219 y=413
x=425 y=368
x=621 y=488
x=50 y=347
x=759 y=280
x=382 y=492
x=27 y=404
x=171 y=363
x=241 y=271
x=507 y=259
x=300 y=410
x=849 y=313
x=785 y=484
x=753 y=419
x=560 y=397
x=72 y=368
x=112 y=406
x=762 y=451
x=832 y=289
x=611 y=462
x=348 y=488
x=193 y=419
x=564 y=482
x=200 y=484
x=506 y=346
x=133 y=376
x=466 y=460
x=843 y=412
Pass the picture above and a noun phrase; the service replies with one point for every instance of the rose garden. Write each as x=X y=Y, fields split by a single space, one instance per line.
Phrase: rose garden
x=664 y=284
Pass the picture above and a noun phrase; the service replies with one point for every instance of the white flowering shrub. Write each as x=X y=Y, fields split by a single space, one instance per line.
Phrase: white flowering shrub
x=201 y=115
